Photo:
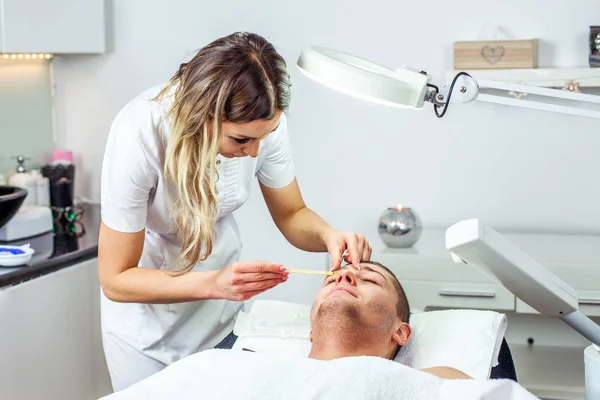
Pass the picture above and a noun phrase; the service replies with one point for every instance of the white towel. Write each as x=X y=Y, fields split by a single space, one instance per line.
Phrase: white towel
x=468 y=340
x=233 y=374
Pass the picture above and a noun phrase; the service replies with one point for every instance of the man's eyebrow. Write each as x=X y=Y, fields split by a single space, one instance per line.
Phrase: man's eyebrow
x=373 y=269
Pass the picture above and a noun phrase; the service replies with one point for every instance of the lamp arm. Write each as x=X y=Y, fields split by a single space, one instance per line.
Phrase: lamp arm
x=464 y=89
x=585 y=326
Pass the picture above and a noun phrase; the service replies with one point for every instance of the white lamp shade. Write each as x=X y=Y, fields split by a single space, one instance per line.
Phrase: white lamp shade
x=363 y=79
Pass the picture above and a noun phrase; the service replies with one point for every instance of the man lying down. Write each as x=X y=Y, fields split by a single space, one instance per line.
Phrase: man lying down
x=359 y=319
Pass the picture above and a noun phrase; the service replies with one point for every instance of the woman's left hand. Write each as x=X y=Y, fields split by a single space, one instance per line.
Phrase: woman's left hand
x=356 y=246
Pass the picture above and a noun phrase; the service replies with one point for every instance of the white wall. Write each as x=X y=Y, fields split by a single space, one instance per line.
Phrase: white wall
x=514 y=168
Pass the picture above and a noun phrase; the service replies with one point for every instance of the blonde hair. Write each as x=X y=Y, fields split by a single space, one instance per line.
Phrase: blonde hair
x=238 y=78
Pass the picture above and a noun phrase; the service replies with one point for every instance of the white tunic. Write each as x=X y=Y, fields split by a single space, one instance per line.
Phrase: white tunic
x=135 y=196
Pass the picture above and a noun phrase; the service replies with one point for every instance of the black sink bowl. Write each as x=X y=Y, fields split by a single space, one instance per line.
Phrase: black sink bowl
x=11 y=198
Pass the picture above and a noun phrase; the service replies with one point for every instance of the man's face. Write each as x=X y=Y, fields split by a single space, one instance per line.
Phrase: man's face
x=361 y=299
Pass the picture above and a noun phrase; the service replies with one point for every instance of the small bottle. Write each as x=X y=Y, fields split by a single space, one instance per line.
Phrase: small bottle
x=2 y=180
x=24 y=179
x=42 y=188
x=61 y=187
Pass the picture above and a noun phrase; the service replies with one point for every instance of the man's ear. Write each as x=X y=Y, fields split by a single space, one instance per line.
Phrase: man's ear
x=310 y=336
x=402 y=334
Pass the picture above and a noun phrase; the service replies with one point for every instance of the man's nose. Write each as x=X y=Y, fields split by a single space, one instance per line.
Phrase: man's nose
x=251 y=149
x=346 y=276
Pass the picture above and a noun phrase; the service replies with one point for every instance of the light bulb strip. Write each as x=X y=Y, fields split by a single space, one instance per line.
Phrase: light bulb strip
x=26 y=56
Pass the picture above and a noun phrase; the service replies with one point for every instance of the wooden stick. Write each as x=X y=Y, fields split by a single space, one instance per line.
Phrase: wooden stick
x=309 y=271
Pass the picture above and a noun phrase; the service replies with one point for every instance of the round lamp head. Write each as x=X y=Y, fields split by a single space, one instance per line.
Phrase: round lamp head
x=364 y=79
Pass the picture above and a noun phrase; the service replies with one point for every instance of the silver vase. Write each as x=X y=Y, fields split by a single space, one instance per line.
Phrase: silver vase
x=400 y=227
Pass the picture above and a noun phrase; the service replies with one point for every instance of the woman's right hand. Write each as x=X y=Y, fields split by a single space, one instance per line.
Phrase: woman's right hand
x=243 y=280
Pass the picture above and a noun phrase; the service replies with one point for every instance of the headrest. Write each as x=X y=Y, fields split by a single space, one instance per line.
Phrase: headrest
x=468 y=340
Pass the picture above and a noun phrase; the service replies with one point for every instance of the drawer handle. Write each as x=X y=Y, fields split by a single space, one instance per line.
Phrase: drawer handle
x=590 y=302
x=463 y=293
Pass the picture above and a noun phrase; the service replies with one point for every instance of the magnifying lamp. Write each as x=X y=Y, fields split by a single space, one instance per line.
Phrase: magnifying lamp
x=406 y=88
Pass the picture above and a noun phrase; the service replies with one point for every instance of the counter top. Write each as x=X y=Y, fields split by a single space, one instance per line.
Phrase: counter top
x=55 y=251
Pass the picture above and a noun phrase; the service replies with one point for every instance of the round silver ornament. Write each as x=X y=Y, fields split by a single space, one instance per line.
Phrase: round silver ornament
x=400 y=227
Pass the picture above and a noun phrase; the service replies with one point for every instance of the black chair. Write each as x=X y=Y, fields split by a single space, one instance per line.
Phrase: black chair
x=506 y=366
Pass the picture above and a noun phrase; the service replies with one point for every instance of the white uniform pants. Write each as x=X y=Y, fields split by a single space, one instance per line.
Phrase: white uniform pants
x=127 y=365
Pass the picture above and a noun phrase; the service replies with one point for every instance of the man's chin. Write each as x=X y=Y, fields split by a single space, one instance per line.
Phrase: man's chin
x=340 y=305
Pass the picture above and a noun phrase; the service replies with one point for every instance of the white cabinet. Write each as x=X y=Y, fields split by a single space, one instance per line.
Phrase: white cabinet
x=52 y=26
x=481 y=296
x=50 y=338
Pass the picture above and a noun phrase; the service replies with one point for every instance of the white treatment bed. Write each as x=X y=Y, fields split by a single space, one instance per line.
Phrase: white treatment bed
x=276 y=333
x=276 y=367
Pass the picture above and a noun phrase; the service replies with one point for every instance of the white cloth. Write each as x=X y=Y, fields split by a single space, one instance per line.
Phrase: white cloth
x=468 y=340
x=135 y=196
x=233 y=374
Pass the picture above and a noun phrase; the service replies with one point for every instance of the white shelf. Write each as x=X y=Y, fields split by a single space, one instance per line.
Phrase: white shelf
x=543 y=77
x=550 y=372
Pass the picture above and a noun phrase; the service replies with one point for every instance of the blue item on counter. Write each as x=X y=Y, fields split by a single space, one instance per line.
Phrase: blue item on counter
x=11 y=250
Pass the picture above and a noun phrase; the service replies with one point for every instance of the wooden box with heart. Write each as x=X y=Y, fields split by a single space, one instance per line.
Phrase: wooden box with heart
x=496 y=54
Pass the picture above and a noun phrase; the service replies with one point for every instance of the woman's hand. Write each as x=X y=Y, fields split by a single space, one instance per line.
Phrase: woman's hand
x=356 y=246
x=243 y=280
